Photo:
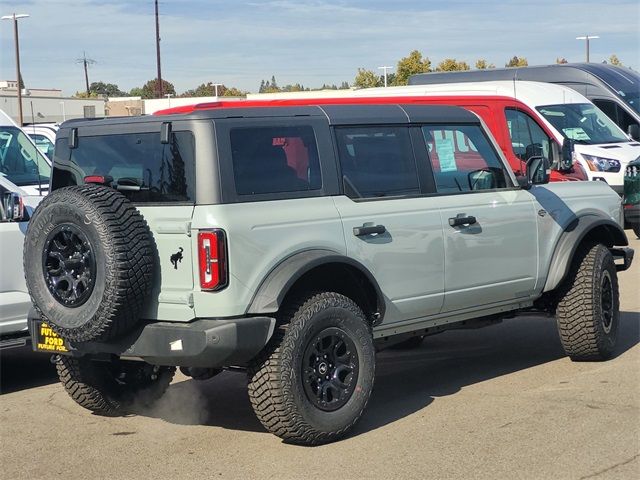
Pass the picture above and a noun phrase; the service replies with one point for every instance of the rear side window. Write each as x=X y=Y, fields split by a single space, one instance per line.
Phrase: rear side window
x=462 y=159
x=275 y=159
x=377 y=162
x=142 y=167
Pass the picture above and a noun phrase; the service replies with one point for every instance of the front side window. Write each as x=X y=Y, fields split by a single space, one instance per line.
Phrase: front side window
x=583 y=123
x=462 y=159
x=140 y=166
x=527 y=137
x=377 y=162
x=616 y=113
x=275 y=159
x=20 y=160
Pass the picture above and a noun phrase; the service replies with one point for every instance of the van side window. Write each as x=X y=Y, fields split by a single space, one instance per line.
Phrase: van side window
x=616 y=113
x=528 y=139
x=377 y=161
x=275 y=159
x=462 y=159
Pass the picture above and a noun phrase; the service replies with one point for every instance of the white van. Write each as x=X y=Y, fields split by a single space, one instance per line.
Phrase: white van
x=24 y=180
x=44 y=136
x=601 y=147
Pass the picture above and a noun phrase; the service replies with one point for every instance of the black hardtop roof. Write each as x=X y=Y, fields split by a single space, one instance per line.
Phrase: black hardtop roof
x=336 y=115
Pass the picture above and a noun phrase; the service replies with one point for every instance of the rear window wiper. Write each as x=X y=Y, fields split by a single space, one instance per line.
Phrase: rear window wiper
x=130 y=184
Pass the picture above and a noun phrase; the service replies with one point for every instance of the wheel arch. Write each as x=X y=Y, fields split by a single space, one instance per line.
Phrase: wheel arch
x=591 y=227
x=318 y=270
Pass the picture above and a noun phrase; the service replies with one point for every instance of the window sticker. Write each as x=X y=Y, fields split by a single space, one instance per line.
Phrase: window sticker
x=444 y=148
x=576 y=133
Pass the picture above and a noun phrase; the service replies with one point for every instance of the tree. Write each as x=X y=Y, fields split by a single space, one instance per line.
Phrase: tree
x=410 y=65
x=108 y=89
x=614 y=60
x=234 y=92
x=344 y=86
x=451 y=65
x=135 y=92
x=149 y=89
x=561 y=60
x=367 y=79
x=482 y=64
x=269 y=86
x=517 y=62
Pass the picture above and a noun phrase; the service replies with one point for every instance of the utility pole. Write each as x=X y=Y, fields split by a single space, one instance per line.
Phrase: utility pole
x=587 y=38
x=159 y=84
x=385 y=73
x=15 y=18
x=85 y=63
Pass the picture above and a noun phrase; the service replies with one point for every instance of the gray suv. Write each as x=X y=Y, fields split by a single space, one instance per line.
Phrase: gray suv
x=294 y=242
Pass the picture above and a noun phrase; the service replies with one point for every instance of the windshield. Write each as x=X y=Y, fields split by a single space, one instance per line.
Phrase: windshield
x=20 y=160
x=583 y=123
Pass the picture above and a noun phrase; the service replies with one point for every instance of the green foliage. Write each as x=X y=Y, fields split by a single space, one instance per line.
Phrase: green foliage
x=108 y=89
x=149 y=89
x=452 y=65
x=367 y=79
x=410 y=65
x=209 y=90
x=83 y=94
x=517 y=62
x=614 y=60
x=481 y=64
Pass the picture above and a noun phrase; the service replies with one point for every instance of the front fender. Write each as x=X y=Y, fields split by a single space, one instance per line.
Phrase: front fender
x=599 y=227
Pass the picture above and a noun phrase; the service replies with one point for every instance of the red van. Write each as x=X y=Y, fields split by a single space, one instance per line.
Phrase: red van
x=512 y=123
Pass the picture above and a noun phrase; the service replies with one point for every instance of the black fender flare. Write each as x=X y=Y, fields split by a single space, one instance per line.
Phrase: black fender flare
x=573 y=234
x=283 y=276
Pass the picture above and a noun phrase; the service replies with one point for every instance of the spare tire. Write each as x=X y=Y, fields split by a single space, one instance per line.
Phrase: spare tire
x=88 y=262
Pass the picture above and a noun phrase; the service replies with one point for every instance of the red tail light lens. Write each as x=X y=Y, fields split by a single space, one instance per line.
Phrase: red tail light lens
x=212 y=259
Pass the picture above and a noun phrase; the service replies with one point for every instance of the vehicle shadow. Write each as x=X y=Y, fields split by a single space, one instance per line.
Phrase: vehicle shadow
x=22 y=368
x=406 y=381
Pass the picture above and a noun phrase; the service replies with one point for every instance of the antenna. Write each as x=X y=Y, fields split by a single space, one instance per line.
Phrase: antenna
x=86 y=62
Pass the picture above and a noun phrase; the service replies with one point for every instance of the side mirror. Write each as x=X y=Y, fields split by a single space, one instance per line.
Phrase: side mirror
x=634 y=131
x=12 y=207
x=566 y=157
x=538 y=170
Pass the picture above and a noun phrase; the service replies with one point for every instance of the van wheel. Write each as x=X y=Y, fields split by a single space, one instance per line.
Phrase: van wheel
x=112 y=388
x=313 y=380
x=588 y=311
x=89 y=260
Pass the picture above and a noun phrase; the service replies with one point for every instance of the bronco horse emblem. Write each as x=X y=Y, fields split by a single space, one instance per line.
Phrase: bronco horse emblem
x=177 y=257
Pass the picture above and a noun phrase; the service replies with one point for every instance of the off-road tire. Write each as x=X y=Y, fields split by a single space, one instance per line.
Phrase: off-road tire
x=123 y=253
x=586 y=332
x=276 y=387
x=98 y=387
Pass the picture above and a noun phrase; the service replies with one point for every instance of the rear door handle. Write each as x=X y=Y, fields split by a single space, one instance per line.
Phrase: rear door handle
x=368 y=230
x=462 y=219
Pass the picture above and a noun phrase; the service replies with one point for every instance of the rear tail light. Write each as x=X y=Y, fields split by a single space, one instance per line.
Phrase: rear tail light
x=212 y=259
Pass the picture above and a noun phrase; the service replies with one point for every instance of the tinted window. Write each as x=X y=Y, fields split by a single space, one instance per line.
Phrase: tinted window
x=377 y=161
x=20 y=160
x=275 y=159
x=142 y=167
x=527 y=137
x=616 y=113
x=462 y=159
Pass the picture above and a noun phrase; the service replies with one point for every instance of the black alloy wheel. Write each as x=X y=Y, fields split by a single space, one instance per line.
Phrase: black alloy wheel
x=330 y=369
x=69 y=265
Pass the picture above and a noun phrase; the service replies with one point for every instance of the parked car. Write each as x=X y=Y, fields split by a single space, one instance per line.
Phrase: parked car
x=21 y=163
x=293 y=241
x=631 y=198
x=44 y=136
x=615 y=90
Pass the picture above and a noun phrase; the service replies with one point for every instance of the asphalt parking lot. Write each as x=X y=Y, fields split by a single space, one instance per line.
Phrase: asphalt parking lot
x=499 y=402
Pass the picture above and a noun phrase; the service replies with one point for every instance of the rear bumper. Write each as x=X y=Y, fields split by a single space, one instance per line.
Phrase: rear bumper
x=204 y=343
x=632 y=214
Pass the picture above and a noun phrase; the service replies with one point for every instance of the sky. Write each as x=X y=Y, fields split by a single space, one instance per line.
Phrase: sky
x=311 y=42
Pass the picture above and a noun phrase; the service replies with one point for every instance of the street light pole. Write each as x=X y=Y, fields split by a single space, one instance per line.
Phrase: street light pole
x=159 y=86
x=385 y=73
x=587 y=38
x=215 y=86
x=15 y=18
